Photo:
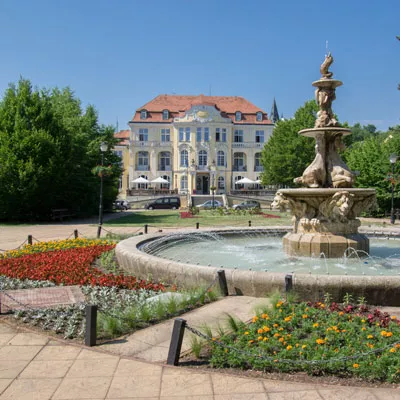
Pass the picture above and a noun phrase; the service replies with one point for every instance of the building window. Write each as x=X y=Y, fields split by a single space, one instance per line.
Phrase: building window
x=259 y=136
x=259 y=116
x=238 y=137
x=221 y=182
x=238 y=116
x=198 y=135
x=184 y=182
x=184 y=158
x=165 y=135
x=239 y=162
x=181 y=134
x=206 y=134
x=165 y=161
x=165 y=115
x=240 y=185
x=143 y=135
x=187 y=134
x=257 y=162
x=220 y=158
x=202 y=158
x=142 y=185
x=143 y=114
x=143 y=161
x=220 y=135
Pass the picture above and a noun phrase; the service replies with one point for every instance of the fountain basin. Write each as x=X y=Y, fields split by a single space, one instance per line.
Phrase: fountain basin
x=378 y=290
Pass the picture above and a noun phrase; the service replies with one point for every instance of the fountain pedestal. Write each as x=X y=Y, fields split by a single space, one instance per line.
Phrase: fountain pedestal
x=325 y=220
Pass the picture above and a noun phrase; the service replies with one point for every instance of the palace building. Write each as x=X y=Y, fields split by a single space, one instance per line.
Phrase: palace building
x=196 y=143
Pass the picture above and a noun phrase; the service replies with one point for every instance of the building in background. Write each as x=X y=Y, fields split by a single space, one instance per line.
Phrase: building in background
x=196 y=143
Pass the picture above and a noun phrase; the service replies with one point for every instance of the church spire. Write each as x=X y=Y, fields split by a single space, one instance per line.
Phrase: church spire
x=274 y=115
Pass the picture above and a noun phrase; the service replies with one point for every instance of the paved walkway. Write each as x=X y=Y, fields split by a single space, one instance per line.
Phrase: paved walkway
x=35 y=367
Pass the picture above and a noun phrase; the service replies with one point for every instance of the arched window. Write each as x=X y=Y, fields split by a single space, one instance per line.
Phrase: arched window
x=257 y=162
x=164 y=161
x=143 y=114
x=184 y=182
x=239 y=162
x=184 y=158
x=238 y=116
x=166 y=185
x=240 y=185
x=202 y=158
x=221 y=182
x=143 y=161
x=259 y=116
x=165 y=114
x=220 y=158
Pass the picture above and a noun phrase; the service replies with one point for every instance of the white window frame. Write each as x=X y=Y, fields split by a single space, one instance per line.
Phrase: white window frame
x=199 y=134
x=238 y=136
x=165 y=135
x=143 y=158
x=181 y=134
x=165 y=160
x=221 y=182
x=143 y=114
x=203 y=157
x=165 y=115
x=238 y=116
x=220 y=158
x=184 y=182
x=260 y=136
x=184 y=158
x=259 y=116
x=143 y=135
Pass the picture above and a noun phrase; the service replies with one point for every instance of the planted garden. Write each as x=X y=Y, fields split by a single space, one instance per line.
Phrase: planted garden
x=346 y=340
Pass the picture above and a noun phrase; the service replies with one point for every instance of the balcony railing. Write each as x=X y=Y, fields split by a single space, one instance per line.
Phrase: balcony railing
x=247 y=145
x=164 y=168
x=239 y=168
x=142 y=168
x=150 y=143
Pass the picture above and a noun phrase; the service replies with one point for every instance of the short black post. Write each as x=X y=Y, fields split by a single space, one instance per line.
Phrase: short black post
x=146 y=228
x=249 y=223
x=29 y=239
x=288 y=283
x=176 y=341
x=197 y=225
x=91 y=320
x=223 y=285
x=75 y=233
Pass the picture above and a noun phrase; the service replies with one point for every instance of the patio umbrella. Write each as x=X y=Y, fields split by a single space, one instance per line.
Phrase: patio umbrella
x=140 y=180
x=159 y=180
x=244 y=181
x=258 y=181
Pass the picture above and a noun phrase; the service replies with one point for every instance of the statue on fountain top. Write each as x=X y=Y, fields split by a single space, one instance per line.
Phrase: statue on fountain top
x=326 y=74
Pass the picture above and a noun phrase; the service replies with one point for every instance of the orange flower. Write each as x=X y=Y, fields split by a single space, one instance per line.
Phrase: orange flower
x=320 y=341
x=266 y=329
x=264 y=316
x=356 y=365
x=260 y=330
x=305 y=316
x=255 y=319
x=260 y=338
x=316 y=325
x=291 y=347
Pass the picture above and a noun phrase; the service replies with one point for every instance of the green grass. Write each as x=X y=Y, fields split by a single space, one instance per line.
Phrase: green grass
x=167 y=218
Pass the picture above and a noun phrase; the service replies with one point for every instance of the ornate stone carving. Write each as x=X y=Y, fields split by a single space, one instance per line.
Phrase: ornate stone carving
x=324 y=69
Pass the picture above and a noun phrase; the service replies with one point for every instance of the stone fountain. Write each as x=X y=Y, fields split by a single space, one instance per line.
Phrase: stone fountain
x=325 y=211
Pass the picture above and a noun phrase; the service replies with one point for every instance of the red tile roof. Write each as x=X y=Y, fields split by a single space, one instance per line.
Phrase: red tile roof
x=123 y=137
x=177 y=105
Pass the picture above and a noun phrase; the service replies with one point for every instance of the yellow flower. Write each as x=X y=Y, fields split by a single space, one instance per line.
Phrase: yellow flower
x=363 y=321
x=393 y=318
x=297 y=345
x=363 y=328
x=370 y=337
x=260 y=330
x=288 y=319
x=281 y=339
x=280 y=329
x=246 y=333
x=356 y=365
x=276 y=334
x=266 y=329
x=320 y=341
x=305 y=316
x=260 y=338
x=316 y=325
x=264 y=316
x=275 y=325
x=291 y=347
x=304 y=346
x=279 y=303
x=265 y=339
x=392 y=350
x=255 y=319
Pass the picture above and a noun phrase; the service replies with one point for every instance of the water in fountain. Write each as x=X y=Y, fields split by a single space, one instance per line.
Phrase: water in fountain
x=262 y=250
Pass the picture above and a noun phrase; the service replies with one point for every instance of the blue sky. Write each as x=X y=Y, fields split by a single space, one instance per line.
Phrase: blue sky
x=118 y=55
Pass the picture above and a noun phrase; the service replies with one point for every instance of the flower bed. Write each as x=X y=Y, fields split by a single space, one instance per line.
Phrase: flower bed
x=344 y=340
x=67 y=263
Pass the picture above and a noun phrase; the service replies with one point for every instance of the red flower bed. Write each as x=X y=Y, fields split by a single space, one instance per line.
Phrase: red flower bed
x=269 y=215
x=70 y=267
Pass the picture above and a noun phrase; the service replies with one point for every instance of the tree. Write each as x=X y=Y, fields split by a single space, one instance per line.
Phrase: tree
x=47 y=152
x=360 y=133
x=287 y=154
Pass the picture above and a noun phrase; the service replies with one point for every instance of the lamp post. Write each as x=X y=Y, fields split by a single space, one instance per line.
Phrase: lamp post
x=393 y=158
x=192 y=174
x=212 y=173
x=103 y=149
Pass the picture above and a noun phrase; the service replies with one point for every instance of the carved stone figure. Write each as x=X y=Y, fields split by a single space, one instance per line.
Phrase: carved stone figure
x=324 y=97
x=314 y=175
x=338 y=207
x=340 y=175
x=325 y=67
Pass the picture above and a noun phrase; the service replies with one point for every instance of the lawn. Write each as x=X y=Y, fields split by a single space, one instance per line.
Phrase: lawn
x=209 y=218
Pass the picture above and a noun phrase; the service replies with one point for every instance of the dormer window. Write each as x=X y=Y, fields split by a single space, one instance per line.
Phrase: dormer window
x=238 y=116
x=143 y=114
x=259 y=116
x=165 y=115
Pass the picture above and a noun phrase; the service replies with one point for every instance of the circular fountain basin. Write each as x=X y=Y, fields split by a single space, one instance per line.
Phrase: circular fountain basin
x=255 y=264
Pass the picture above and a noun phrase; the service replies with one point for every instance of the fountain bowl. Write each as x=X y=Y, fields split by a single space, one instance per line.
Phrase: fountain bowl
x=378 y=290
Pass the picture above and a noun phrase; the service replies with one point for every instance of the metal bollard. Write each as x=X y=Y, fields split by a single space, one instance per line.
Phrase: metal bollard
x=197 y=225
x=91 y=320
x=75 y=233
x=249 y=223
x=176 y=341
x=223 y=285
x=29 y=239
x=146 y=228
x=288 y=283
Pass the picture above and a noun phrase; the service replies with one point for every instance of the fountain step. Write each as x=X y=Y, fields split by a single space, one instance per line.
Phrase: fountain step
x=152 y=343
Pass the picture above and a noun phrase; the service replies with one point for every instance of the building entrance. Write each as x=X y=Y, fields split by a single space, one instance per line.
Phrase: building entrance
x=203 y=184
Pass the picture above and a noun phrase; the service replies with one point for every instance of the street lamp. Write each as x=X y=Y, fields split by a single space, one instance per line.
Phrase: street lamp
x=212 y=173
x=393 y=158
x=103 y=149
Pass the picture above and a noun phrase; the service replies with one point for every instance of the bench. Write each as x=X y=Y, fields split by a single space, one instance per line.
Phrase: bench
x=60 y=213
